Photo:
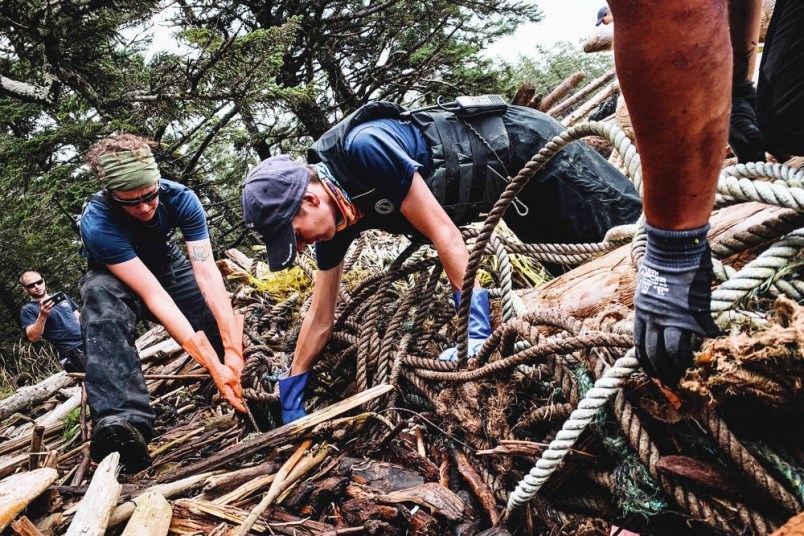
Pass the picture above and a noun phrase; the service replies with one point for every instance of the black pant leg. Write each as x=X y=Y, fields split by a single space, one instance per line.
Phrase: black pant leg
x=114 y=381
x=780 y=88
x=576 y=197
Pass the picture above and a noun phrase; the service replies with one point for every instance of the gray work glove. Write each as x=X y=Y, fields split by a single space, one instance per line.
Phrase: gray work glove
x=672 y=303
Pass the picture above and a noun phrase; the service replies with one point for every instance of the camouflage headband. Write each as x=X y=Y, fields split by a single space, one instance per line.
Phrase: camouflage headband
x=129 y=170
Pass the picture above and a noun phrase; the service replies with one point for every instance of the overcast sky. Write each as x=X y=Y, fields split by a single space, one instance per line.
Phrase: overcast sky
x=564 y=20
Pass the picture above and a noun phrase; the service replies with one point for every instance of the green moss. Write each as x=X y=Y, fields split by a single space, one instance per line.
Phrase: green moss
x=72 y=423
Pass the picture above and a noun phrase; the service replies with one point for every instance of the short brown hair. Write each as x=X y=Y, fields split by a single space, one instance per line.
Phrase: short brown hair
x=115 y=144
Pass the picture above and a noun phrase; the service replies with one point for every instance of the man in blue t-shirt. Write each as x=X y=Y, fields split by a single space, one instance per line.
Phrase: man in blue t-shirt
x=136 y=271
x=397 y=174
x=52 y=320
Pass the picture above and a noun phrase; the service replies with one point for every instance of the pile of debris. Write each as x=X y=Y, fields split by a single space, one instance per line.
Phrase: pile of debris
x=399 y=442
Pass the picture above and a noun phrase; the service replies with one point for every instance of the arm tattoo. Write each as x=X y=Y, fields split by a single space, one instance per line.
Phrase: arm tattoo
x=199 y=254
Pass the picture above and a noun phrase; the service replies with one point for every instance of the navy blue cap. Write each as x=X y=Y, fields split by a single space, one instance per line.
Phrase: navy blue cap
x=602 y=12
x=271 y=197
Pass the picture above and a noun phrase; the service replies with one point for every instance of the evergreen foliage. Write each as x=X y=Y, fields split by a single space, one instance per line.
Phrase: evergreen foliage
x=242 y=80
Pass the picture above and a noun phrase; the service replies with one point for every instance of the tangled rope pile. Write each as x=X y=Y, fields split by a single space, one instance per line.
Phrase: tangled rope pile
x=528 y=377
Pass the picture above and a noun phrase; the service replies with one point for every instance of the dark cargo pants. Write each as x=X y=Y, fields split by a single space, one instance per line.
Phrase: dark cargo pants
x=780 y=89
x=114 y=380
x=576 y=197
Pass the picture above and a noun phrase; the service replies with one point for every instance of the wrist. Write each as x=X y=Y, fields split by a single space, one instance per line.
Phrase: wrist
x=675 y=249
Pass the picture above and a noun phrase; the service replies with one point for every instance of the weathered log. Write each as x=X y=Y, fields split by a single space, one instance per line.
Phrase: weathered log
x=226 y=482
x=150 y=337
x=151 y=517
x=600 y=40
x=243 y=261
x=384 y=477
x=247 y=489
x=231 y=514
x=54 y=416
x=591 y=104
x=438 y=499
x=27 y=396
x=17 y=492
x=160 y=349
x=608 y=282
x=9 y=464
x=524 y=94
x=95 y=509
x=171 y=489
x=561 y=90
x=582 y=94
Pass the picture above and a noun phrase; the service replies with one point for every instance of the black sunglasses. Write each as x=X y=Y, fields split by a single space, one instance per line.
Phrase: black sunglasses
x=32 y=285
x=135 y=202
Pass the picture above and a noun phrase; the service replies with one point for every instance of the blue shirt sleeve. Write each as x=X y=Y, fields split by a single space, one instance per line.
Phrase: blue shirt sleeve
x=28 y=314
x=191 y=216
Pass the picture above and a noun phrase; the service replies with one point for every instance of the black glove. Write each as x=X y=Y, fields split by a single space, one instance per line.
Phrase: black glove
x=672 y=303
x=745 y=139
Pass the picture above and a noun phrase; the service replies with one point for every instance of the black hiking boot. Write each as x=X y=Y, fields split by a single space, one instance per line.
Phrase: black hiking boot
x=114 y=434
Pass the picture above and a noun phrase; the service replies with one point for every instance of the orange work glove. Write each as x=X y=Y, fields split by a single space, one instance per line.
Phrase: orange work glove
x=199 y=347
x=233 y=346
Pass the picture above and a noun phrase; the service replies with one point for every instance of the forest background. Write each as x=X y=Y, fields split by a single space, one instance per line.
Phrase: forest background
x=245 y=80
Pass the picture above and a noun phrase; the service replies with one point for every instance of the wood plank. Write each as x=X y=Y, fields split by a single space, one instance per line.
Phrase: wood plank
x=17 y=492
x=96 y=507
x=151 y=517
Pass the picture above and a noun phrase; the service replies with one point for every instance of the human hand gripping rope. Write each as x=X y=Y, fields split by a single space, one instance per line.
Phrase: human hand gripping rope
x=672 y=303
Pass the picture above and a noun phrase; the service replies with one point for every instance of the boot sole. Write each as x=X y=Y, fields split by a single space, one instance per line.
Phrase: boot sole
x=133 y=450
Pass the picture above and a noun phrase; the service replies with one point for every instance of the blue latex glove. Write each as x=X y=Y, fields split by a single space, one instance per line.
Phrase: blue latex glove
x=479 y=323
x=673 y=301
x=291 y=395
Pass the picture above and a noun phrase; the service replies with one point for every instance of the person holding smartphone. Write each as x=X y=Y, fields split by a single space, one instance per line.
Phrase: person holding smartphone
x=137 y=272
x=53 y=318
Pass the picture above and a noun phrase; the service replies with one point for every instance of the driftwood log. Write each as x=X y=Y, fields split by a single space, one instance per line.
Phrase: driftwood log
x=151 y=517
x=28 y=396
x=17 y=492
x=94 y=510
x=609 y=281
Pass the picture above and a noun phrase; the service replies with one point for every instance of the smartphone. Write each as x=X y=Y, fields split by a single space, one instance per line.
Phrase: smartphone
x=56 y=298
